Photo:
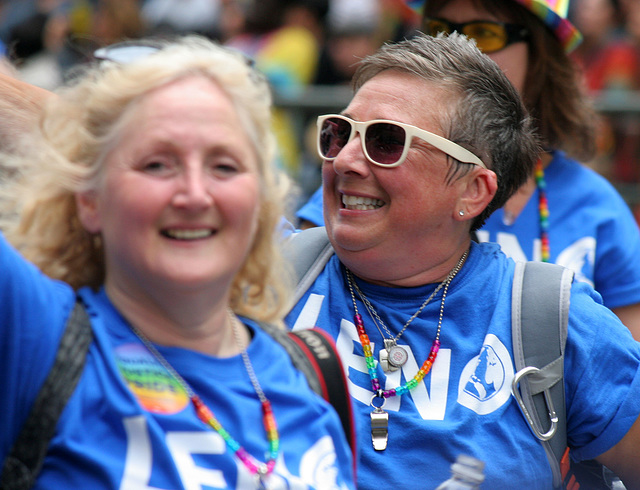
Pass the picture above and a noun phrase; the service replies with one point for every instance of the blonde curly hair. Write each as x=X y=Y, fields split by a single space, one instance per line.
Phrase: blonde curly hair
x=65 y=156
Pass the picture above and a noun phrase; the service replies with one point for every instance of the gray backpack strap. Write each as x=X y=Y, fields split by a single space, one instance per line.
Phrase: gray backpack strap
x=540 y=313
x=308 y=252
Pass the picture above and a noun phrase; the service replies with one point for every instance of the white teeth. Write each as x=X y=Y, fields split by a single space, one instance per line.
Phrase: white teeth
x=188 y=234
x=361 y=203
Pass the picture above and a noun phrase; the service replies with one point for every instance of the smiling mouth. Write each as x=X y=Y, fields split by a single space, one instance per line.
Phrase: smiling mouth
x=361 y=203
x=175 y=234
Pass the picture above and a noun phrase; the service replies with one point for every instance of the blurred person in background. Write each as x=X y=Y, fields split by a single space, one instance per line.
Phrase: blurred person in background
x=610 y=62
x=565 y=213
x=60 y=34
x=284 y=37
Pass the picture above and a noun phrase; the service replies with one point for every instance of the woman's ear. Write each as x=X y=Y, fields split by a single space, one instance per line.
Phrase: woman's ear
x=479 y=188
x=88 y=212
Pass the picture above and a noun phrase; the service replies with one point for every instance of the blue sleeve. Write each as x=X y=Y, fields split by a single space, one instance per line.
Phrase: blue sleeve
x=602 y=376
x=617 y=269
x=312 y=209
x=33 y=311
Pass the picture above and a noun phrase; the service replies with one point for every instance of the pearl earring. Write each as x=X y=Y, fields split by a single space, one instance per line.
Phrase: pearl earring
x=461 y=212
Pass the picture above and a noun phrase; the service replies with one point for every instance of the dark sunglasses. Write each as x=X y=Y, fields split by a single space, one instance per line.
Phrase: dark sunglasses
x=490 y=36
x=384 y=143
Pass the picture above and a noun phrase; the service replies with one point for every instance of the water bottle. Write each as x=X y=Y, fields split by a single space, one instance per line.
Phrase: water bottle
x=466 y=474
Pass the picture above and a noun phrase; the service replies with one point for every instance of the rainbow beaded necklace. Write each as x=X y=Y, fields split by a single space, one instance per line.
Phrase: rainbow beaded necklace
x=255 y=467
x=379 y=418
x=543 y=212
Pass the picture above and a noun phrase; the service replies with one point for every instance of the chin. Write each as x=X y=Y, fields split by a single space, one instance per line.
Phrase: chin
x=349 y=238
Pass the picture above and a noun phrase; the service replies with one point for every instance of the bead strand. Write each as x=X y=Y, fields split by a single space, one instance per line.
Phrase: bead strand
x=205 y=414
x=368 y=351
x=543 y=212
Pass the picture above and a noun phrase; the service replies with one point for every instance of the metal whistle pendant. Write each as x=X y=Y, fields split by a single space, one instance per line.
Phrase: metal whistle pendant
x=379 y=429
x=260 y=478
x=392 y=357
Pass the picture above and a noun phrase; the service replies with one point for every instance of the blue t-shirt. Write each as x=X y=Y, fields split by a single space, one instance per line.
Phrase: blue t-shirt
x=312 y=210
x=591 y=231
x=129 y=425
x=464 y=405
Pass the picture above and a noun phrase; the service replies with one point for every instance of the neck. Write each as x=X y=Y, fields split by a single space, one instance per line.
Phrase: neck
x=519 y=200
x=205 y=328
x=436 y=272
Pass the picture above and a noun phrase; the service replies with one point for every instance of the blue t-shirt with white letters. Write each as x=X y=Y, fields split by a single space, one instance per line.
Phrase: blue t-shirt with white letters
x=464 y=405
x=129 y=425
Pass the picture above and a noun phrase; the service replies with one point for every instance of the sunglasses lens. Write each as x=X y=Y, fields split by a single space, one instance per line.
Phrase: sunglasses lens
x=124 y=53
x=334 y=135
x=434 y=26
x=489 y=37
x=385 y=142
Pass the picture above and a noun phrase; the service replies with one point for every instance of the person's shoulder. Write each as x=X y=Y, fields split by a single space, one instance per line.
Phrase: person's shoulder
x=312 y=210
x=488 y=263
x=487 y=251
x=568 y=171
x=562 y=165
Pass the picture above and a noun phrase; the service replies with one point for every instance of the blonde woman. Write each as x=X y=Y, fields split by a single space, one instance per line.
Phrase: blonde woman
x=148 y=196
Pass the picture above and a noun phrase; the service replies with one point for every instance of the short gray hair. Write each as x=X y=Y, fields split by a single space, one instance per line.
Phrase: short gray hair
x=487 y=115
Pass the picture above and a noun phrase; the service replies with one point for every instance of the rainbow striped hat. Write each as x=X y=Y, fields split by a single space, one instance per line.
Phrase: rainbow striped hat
x=552 y=12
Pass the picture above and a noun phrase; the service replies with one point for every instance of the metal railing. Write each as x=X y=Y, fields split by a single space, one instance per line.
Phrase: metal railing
x=326 y=98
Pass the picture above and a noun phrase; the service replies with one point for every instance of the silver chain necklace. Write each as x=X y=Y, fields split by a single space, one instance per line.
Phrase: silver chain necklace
x=243 y=352
x=259 y=469
x=393 y=357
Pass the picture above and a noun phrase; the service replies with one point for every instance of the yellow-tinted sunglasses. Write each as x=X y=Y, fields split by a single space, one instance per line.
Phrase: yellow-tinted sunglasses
x=490 y=36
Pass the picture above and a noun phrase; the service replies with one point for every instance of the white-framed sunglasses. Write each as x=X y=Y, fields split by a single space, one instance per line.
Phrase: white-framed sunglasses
x=385 y=143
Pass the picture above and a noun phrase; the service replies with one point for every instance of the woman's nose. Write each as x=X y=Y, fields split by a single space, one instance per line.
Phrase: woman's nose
x=351 y=159
x=194 y=191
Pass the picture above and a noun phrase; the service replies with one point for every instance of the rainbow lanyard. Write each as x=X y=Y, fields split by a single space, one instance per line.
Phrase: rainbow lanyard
x=371 y=363
x=255 y=467
x=258 y=469
x=543 y=212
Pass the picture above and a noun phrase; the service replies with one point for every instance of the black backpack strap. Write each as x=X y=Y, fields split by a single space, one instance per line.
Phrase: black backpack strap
x=23 y=464
x=324 y=358
x=313 y=352
x=308 y=252
x=540 y=313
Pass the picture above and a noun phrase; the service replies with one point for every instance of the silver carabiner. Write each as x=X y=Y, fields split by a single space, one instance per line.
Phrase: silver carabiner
x=553 y=416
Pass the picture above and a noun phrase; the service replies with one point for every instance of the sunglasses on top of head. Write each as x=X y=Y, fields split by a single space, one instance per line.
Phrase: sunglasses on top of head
x=384 y=143
x=490 y=36
x=130 y=51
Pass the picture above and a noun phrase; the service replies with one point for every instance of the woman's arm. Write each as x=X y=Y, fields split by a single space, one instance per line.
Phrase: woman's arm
x=20 y=107
x=622 y=458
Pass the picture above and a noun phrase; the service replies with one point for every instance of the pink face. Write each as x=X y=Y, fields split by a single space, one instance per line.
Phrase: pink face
x=379 y=217
x=512 y=60
x=178 y=203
